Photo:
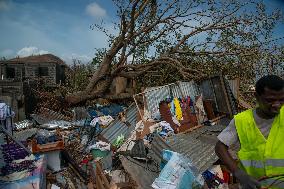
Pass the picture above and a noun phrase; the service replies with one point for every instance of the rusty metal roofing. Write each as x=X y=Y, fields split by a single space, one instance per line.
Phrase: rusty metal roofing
x=117 y=127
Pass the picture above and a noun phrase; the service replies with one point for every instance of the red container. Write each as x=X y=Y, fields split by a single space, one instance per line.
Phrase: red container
x=39 y=148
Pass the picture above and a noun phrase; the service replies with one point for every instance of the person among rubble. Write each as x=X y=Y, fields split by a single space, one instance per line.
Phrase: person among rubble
x=259 y=133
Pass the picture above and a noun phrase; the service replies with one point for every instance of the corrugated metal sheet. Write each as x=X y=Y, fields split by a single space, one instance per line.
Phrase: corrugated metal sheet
x=158 y=145
x=52 y=115
x=46 y=115
x=207 y=90
x=189 y=89
x=220 y=94
x=24 y=134
x=19 y=135
x=140 y=172
x=234 y=85
x=155 y=95
x=217 y=88
x=231 y=97
x=175 y=91
x=39 y=119
x=198 y=146
x=117 y=128
x=23 y=124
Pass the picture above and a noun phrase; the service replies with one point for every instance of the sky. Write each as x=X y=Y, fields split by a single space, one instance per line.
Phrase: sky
x=61 y=27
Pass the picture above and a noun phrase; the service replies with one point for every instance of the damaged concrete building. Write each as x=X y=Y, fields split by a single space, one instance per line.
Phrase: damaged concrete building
x=19 y=74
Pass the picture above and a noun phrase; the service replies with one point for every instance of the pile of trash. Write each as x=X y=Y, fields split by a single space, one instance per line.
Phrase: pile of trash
x=138 y=145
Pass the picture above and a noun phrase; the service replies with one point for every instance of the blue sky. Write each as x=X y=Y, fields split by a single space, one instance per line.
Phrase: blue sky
x=61 y=27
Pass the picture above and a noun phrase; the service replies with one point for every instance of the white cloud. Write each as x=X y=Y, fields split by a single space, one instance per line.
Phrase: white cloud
x=27 y=51
x=4 y=5
x=95 y=10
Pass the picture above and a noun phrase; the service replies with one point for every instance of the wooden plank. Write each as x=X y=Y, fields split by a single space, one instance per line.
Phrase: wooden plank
x=191 y=129
x=99 y=183
x=101 y=175
x=217 y=118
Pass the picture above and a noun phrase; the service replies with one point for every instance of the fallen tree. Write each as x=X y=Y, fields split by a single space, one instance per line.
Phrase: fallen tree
x=193 y=37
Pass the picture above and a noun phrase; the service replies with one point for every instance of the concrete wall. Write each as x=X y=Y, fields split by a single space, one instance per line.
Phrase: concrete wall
x=32 y=72
x=24 y=71
x=19 y=69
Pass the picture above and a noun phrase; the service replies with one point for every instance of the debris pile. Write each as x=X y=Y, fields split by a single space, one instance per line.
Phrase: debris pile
x=165 y=139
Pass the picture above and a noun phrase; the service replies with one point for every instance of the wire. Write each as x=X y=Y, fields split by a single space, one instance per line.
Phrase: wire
x=147 y=168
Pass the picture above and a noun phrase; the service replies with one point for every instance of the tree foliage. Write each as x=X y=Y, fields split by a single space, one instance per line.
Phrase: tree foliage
x=184 y=39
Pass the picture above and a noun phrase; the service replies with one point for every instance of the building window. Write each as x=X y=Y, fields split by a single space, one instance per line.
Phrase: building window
x=43 y=71
x=11 y=72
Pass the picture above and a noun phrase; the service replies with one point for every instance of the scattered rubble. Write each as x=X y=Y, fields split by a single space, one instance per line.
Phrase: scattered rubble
x=164 y=141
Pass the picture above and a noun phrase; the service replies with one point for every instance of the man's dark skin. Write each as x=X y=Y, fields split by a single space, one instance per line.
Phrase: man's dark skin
x=269 y=104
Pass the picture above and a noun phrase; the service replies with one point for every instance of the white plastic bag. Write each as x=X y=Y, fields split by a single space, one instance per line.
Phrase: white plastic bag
x=178 y=173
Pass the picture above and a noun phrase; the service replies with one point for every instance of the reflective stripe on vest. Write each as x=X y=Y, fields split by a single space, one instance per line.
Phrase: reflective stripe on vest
x=275 y=162
x=253 y=163
x=260 y=164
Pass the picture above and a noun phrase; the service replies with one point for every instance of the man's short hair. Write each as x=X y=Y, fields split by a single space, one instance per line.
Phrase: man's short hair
x=272 y=82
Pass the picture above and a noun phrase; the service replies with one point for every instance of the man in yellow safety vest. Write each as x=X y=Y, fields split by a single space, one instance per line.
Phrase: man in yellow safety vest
x=259 y=136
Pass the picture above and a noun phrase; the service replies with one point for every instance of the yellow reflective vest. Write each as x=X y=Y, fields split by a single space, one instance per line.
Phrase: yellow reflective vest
x=260 y=156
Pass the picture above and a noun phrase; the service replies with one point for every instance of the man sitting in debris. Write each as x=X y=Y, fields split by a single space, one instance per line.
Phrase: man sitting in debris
x=260 y=134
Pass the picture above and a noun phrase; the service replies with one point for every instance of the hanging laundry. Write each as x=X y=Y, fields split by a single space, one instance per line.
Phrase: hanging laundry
x=188 y=100
x=178 y=111
x=201 y=114
x=172 y=107
x=190 y=104
x=176 y=121
x=183 y=103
